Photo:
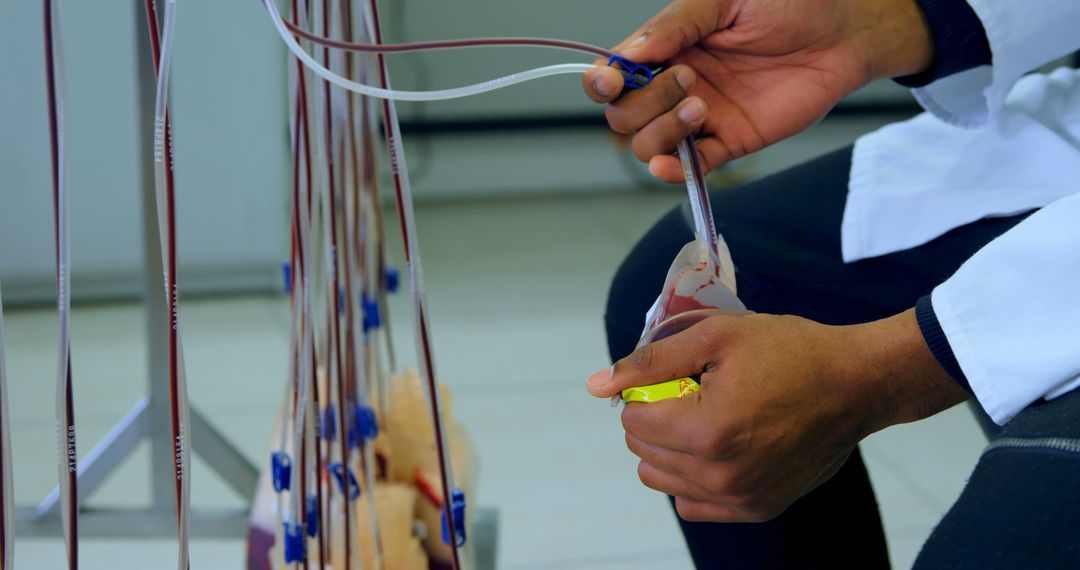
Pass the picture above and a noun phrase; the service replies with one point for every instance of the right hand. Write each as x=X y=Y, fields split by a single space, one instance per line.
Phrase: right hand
x=744 y=74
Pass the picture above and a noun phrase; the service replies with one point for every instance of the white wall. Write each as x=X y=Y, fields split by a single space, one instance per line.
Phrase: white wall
x=230 y=145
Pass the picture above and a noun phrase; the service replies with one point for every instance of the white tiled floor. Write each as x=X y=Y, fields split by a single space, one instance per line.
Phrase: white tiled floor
x=516 y=293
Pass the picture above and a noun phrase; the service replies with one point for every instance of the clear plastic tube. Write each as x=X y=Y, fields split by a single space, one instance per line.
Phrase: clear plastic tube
x=67 y=460
x=366 y=231
x=7 y=527
x=305 y=378
x=164 y=192
x=357 y=268
x=424 y=352
x=305 y=381
x=332 y=179
x=704 y=224
x=438 y=95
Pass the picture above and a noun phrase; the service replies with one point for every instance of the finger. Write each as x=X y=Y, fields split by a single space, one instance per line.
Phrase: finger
x=676 y=424
x=660 y=136
x=686 y=353
x=679 y=26
x=691 y=510
x=603 y=84
x=639 y=34
x=673 y=462
x=711 y=152
x=638 y=108
x=668 y=484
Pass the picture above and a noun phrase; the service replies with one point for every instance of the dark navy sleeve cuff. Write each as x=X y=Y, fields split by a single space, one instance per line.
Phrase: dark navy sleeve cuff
x=959 y=41
x=939 y=344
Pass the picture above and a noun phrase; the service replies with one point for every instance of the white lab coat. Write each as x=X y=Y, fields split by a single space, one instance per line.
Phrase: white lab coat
x=993 y=143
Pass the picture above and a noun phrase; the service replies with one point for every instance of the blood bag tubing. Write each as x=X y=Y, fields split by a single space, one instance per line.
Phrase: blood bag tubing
x=67 y=458
x=161 y=47
x=412 y=256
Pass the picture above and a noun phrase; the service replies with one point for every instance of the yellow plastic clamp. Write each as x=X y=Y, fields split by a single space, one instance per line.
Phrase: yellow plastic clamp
x=663 y=391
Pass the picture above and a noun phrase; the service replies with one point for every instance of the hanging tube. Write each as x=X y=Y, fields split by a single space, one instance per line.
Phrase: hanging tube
x=425 y=356
x=67 y=459
x=450 y=44
x=440 y=95
x=166 y=211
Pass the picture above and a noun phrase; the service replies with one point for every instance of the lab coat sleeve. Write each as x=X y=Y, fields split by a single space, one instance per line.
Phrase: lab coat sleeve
x=1023 y=35
x=1011 y=313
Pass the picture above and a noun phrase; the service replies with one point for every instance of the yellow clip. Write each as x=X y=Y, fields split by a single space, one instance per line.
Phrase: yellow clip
x=663 y=391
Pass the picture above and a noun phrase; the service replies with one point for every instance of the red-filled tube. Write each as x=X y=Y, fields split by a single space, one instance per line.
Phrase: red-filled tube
x=65 y=411
x=160 y=47
x=412 y=259
x=450 y=44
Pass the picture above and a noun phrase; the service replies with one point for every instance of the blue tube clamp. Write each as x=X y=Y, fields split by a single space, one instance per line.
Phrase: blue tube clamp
x=350 y=488
x=328 y=425
x=280 y=470
x=457 y=511
x=286 y=273
x=313 y=515
x=294 y=543
x=367 y=426
x=635 y=75
x=372 y=318
x=392 y=279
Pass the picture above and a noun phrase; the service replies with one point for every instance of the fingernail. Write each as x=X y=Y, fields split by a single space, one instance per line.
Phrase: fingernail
x=691 y=112
x=686 y=78
x=654 y=169
x=600 y=379
x=603 y=86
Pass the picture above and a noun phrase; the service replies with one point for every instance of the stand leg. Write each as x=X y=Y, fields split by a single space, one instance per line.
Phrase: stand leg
x=222 y=456
x=120 y=442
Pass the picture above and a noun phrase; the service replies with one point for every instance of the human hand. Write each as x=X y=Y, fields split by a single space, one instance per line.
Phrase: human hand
x=783 y=402
x=744 y=74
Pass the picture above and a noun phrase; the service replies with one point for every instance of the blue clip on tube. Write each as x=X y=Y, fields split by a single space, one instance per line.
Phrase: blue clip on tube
x=280 y=470
x=635 y=75
x=457 y=511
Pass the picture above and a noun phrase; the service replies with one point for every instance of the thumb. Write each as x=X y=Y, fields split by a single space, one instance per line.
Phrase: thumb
x=679 y=26
x=680 y=355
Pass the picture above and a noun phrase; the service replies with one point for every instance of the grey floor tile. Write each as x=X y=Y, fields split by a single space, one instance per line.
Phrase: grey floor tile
x=673 y=559
x=904 y=546
x=129 y=554
x=574 y=494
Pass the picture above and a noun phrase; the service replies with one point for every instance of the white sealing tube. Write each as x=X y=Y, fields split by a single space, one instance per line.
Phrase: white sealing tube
x=439 y=95
x=704 y=224
x=416 y=282
x=67 y=460
x=182 y=443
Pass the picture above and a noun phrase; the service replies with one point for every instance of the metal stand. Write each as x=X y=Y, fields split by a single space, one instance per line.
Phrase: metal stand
x=148 y=418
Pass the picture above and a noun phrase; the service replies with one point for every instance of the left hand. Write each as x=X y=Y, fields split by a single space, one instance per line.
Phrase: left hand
x=783 y=402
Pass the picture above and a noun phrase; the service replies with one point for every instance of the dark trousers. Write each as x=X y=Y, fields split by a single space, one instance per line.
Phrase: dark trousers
x=784 y=235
